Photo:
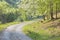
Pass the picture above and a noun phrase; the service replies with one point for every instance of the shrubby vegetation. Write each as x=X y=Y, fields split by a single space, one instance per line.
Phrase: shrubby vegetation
x=23 y=10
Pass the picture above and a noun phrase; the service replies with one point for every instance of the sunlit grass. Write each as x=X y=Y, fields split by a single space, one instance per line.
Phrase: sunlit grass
x=43 y=31
x=3 y=26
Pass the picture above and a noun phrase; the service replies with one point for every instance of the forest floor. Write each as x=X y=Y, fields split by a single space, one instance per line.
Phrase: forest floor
x=14 y=32
x=49 y=30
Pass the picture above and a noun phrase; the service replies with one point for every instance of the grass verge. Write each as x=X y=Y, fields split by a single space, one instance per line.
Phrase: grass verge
x=3 y=26
x=43 y=31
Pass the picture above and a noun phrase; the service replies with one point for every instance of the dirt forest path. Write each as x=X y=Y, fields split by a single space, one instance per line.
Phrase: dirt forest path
x=15 y=32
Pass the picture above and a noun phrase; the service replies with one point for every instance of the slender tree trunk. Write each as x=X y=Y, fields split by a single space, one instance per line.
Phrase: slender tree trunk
x=51 y=10
x=56 y=10
x=52 y=14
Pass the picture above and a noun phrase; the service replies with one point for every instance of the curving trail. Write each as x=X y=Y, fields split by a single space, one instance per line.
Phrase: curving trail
x=14 y=32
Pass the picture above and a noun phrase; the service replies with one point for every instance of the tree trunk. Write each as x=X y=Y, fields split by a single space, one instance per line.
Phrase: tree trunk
x=51 y=10
x=56 y=10
x=52 y=15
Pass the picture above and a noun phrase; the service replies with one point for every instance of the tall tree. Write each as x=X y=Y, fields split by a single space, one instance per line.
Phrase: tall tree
x=51 y=9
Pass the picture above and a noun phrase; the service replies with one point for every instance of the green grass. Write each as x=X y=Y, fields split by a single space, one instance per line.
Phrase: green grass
x=3 y=26
x=43 y=31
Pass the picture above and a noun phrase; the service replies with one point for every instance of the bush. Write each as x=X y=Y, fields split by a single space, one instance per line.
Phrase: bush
x=9 y=17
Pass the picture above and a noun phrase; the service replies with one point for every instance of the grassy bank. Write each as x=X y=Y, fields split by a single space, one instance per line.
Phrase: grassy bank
x=43 y=31
x=3 y=26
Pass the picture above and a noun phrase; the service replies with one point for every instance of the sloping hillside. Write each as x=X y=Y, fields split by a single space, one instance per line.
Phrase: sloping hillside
x=49 y=30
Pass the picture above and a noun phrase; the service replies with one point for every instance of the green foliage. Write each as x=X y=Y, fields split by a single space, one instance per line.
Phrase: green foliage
x=23 y=10
x=9 y=17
